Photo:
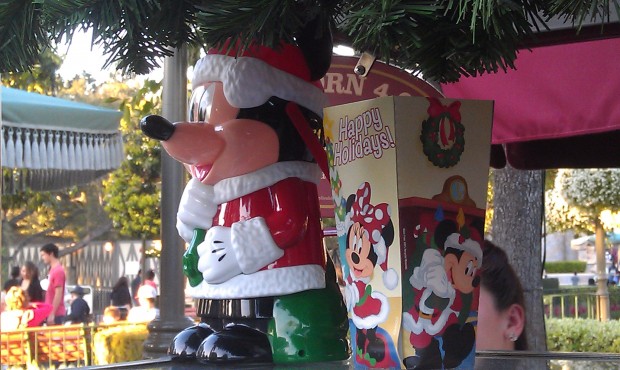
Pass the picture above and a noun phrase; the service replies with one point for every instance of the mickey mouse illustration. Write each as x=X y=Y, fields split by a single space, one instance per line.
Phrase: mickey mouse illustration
x=369 y=237
x=250 y=213
x=439 y=333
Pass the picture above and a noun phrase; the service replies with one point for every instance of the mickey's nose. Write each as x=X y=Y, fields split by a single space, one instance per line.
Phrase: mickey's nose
x=157 y=127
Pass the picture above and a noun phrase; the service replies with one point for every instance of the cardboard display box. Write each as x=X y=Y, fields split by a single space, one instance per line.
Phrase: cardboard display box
x=409 y=182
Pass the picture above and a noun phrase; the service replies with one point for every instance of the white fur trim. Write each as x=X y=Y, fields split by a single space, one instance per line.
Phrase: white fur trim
x=372 y=321
x=253 y=245
x=264 y=283
x=235 y=187
x=199 y=202
x=381 y=251
x=250 y=82
x=390 y=279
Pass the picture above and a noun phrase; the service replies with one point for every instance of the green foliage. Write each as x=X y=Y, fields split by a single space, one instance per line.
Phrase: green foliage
x=565 y=267
x=442 y=39
x=580 y=196
x=583 y=335
x=41 y=78
x=121 y=343
x=132 y=193
x=591 y=190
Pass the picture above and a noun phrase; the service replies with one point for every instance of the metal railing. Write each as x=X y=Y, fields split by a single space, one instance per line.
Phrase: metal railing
x=570 y=305
x=50 y=346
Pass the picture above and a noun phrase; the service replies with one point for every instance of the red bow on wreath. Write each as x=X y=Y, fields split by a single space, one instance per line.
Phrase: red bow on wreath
x=374 y=218
x=454 y=115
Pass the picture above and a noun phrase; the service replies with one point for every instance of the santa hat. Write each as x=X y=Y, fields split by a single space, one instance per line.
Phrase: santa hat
x=457 y=241
x=390 y=276
x=251 y=77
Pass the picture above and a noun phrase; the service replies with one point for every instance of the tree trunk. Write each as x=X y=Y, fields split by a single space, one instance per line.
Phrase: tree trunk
x=516 y=227
x=602 y=294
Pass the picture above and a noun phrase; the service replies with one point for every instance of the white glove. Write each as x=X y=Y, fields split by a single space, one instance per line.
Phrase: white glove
x=408 y=321
x=217 y=260
x=431 y=274
x=196 y=209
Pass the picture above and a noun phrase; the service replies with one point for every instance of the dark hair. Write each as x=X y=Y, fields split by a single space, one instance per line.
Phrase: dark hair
x=34 y=290
x=15 y=272
x=50 y=248
x=499 y=278
x=122 y=282
x=150 y=275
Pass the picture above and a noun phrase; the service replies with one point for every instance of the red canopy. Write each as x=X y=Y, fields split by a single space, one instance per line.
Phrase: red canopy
x=560 y=108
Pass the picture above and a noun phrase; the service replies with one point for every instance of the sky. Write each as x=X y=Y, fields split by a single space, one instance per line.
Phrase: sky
x=80 y=56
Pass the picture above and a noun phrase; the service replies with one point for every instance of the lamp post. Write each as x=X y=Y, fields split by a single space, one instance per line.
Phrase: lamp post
x=172 y=282
x=602 y=293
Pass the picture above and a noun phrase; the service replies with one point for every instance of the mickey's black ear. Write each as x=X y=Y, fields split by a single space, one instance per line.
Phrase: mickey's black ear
x=316 y=43
x=444 y=229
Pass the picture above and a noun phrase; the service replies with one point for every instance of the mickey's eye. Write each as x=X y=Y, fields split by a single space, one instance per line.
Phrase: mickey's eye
x=470 y=270
x=201 y=103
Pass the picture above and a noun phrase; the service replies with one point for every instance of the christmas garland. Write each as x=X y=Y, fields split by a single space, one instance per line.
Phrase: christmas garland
x=443 y=145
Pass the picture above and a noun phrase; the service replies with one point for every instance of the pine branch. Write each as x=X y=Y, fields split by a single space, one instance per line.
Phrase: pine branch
x=442 y=39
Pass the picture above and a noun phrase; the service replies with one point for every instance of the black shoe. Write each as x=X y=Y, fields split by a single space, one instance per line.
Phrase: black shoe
x=235 y=344
x=426 y=358
x=376 y=345
x=186 y=343
x=458 y=341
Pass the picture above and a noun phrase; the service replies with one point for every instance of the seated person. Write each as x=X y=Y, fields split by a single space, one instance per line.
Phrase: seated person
x=146 y=311
x=79 y=312
x=111 y=315
x=19 y=313
x=501 y=309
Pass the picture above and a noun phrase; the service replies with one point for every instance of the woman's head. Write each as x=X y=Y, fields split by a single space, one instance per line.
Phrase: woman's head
x=16 y=299
x=501 y=310
x=30 y=271
x=122 y=282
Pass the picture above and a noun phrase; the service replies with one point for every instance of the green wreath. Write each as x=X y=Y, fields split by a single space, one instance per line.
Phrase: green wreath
x=430 y=140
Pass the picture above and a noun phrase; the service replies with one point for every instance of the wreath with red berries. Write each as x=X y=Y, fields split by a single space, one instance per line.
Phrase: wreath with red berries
x=443 y=135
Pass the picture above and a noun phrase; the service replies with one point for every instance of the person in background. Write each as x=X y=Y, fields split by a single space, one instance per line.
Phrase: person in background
x=111 y=315
x=575 y=279
x=120 y=295
x=135 y=285
x=79 y=311
x=13 y=281
x=149 y=279
x=146 y=311
x=56 y=286
x=501 y=308
x=20 y=313
x=31 y=283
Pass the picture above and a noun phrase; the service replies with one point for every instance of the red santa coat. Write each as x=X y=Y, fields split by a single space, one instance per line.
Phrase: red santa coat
x=368 y=308
x=434 y=325
x=274 y=218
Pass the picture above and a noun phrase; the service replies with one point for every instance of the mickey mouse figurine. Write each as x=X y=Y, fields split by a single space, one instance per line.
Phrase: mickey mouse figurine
x=370 y=234
x=266 y=291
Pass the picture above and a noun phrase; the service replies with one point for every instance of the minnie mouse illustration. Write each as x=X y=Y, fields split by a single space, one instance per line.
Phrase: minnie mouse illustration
x=369 y=236
x=266 y=291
